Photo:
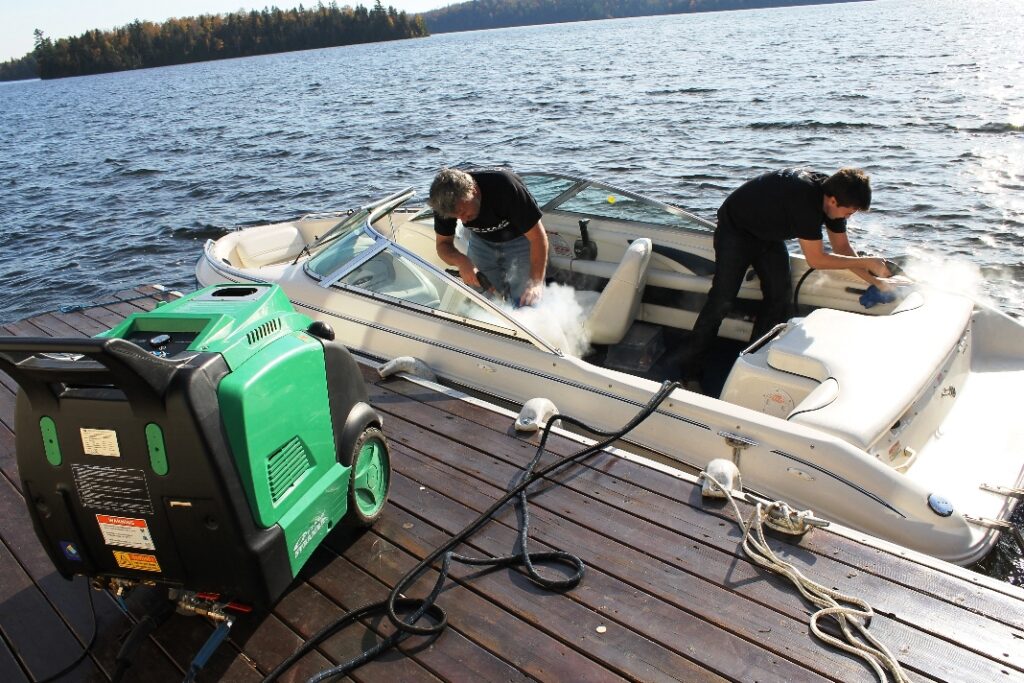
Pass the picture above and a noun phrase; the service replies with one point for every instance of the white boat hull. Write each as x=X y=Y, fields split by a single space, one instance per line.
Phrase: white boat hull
x=943 y=436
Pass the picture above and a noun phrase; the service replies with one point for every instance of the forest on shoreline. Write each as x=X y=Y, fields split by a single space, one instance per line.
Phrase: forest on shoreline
x=485 y=14
x=144 y=44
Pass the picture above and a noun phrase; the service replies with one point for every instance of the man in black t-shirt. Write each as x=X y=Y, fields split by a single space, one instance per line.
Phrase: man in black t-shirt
x=507 y=241
x=753 y=224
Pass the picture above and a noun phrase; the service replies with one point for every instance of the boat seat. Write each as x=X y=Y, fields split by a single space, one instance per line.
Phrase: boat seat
x=264 y=247
x=875 y=382
x=608 y=317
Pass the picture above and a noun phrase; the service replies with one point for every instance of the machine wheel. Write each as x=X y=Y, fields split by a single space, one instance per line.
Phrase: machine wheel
x=370 y=480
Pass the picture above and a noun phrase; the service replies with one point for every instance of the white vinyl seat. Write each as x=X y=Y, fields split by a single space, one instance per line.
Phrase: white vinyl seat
x=263 y=247
x=609 y=316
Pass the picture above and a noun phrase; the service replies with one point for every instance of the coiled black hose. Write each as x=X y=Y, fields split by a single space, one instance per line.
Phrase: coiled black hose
x=417 y=608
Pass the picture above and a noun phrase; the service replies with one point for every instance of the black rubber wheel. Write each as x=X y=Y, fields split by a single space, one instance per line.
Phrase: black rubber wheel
x=370 y=478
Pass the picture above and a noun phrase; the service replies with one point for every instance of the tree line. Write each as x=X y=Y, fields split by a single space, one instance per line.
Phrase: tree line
x=177 y=41
x=144 y=44
x=484 y=14
x=19 y=69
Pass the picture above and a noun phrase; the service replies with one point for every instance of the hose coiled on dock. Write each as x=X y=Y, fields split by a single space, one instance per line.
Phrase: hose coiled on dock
x=417 y=608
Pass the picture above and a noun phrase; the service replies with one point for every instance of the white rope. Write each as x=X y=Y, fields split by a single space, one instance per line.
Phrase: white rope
x=827 y=600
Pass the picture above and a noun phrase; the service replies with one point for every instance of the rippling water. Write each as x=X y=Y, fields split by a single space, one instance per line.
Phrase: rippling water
x=116 y=180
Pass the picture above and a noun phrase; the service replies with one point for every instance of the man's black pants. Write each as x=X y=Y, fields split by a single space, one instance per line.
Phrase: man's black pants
x=735 y=251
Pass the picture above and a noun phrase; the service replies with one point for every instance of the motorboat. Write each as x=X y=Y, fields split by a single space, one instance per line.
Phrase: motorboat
x=896 y=420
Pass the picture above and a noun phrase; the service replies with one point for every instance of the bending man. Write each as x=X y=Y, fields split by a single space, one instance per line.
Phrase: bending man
x=507 y=241
x=754 y=223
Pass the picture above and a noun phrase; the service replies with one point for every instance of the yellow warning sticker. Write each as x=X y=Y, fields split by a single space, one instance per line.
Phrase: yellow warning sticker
x=140 y=561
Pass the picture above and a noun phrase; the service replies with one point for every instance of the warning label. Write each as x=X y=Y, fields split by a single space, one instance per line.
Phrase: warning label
x=146 y=563
x=125 y=532
x=100 y=442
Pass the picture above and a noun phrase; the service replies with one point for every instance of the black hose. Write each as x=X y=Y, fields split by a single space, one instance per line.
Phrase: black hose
x=160 y=613
x=421 y=607
x=88 y=646
x=894 y=269
x=796 y=291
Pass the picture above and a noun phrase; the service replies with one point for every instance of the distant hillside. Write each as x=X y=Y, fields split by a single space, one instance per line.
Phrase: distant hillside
x=481 y=14
x=143 y=44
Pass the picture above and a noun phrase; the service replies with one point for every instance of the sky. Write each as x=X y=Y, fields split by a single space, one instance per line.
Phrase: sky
x=65 y=18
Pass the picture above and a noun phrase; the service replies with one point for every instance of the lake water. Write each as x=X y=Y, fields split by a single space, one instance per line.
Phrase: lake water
x=111 y=181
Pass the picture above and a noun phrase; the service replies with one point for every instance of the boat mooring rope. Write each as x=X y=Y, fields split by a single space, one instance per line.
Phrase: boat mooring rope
x=413 y=609
x=827 y=600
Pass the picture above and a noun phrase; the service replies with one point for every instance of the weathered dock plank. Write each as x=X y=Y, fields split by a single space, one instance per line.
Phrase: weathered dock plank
x=667 y=594
x=922 y=621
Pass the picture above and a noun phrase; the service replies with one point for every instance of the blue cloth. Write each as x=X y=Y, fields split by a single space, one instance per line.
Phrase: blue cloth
x=506 y=264
x=874 y=295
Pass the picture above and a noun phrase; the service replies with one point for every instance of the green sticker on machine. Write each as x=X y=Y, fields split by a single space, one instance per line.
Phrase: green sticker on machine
x=50 y=445
x=157 y=452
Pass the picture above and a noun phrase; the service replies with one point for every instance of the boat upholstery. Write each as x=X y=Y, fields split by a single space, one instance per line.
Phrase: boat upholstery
x=616 y=307
x=856 y=351
x=261 y=248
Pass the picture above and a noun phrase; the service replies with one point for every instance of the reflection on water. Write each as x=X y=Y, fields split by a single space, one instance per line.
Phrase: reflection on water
x=113 y=180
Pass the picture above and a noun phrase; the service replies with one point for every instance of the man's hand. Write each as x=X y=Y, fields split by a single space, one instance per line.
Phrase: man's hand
x=533 y=293
x=447 y=252
x=878 y=268
x=468 y=275
x=889 y=283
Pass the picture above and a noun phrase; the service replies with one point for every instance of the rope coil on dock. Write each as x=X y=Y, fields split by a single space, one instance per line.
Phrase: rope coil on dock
x=857 y=612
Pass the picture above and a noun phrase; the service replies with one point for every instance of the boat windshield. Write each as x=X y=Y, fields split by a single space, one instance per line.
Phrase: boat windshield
x=342 y=228
x=546 y=187
x=393 y=274
x=590 y=199
x=343 y=247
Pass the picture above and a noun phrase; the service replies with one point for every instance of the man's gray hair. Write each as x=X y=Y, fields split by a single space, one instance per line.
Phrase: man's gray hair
x=450 y=187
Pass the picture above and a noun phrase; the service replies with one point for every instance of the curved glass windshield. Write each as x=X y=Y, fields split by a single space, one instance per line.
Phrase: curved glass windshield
x=605 y=202
x=597 y=200
x=347 y=224
x=342 y=248
x=544 y=188
x=395 y=275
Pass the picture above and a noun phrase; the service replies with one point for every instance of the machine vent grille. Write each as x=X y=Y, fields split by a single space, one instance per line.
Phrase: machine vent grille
x=263 y=330
x=286 y=466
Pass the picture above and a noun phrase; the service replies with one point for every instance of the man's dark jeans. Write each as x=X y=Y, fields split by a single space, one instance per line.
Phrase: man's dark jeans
x=735 y=251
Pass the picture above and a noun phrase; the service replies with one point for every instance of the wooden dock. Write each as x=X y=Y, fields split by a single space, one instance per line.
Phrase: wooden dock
x=667 y=595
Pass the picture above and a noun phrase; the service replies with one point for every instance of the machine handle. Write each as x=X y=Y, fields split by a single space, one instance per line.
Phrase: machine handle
x=139 y=374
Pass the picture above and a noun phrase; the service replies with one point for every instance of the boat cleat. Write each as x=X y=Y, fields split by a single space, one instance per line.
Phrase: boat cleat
x=535 y=414
x=409 y=365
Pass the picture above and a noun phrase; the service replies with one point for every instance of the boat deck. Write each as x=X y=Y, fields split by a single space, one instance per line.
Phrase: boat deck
x=667 y=595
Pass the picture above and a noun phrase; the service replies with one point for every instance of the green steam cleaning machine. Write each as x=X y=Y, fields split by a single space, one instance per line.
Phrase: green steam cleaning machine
x=208 y=446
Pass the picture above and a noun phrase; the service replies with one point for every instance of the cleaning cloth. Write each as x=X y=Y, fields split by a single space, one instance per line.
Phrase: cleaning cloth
x=874 y=295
